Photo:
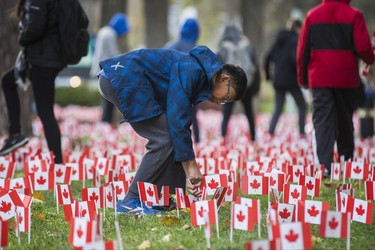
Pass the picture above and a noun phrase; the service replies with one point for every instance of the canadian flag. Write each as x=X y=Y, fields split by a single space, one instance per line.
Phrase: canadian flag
x=96 y=177
x=109 y=196
x=362 y=211
x=293 y=193
x=22 y=220
x=295 y=171
x=356 y=170
x=344 y=202
x=64 y=194
x=262 y=244
x=81 y=231
x=21 y=183
x=284 y=212
x=120 y=189
x=253 y=203
x=334 y=224
x=129 y=177
x=7 y=206
x=99 y=245
x=163 y=196
x=126 y=160
x=276 y=180
x=254 y=184
x=114 y=175
x=35 y=166
x=295 y=235
x=6 y=168
x=212 y=182
x=148 y=192
x=92 y=194
x=212 y=165
x=251 y=167
x=43 y=180
x=243 y=217
x=102 y=164
x=180 y=198
x=63 y=174
x=77 y=171
x=81 y=209
x=219 y=196
x=232 y=191
x=89 y=166
x=4 y=184
x=370 y=190
x=310 y=211
x=336 y=171
x=4 y=232
x=198 y=209
x=312 y=185
x=201 y=162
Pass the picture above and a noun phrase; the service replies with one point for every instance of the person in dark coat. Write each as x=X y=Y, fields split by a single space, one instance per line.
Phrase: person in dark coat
x=282 y=56
x=156 y=91
x=39 y=36
x=189 y=35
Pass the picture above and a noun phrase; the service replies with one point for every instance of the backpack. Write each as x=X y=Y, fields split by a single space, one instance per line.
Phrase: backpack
x=74 y=37
x=238 y=54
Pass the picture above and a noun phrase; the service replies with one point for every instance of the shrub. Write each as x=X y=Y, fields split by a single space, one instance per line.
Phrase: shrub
x=82 y=95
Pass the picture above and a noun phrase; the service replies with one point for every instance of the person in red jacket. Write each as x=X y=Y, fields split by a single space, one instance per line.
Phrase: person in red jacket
x=332 y=39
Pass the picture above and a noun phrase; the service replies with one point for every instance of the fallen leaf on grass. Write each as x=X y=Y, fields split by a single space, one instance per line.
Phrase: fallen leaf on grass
x=330 y=185
x=38 y=196
x=39 y=216
x=144 y=245
x=316 y=239
x=154 y=229
x=227 y=223
x=166 y=238
x=185 y=227
x=169 y=220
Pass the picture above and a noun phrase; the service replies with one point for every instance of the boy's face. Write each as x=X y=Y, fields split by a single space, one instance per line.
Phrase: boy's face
x=222 y=92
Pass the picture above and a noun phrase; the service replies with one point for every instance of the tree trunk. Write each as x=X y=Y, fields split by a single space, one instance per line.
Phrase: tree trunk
x=9 y=49
x=156 y=23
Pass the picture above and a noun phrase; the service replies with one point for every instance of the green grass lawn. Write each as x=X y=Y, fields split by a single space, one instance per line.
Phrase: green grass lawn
x=50 y=231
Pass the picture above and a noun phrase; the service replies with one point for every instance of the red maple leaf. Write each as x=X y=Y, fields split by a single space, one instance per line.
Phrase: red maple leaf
x=74 y=172
x=115 y=178
x=65 y=194
x=79 y=232
x=343 y=202
x=131 y=179
x=213 y=184
x=200 y=211
x=83 y=212
x=284 y=214
x=310 y=185
x=94 y=197
x=101 y=165
x=291 y=237
x=255 y=184
x=5 y=206
x=109 y=197
x=125 y=163
x=336 y=170
x=272 y=181
x=333 y=223
x=298 y=172
x=229 y=191
x=34 y=168
x=41 y=180
x=357 y=170
x=295 y=194
x=240 y=216
x=59 y=173
x=2 y=168
x=20 y=218
x=19 y=159
x=118 y=190
x=360 y=211
x=313 y=211
x=18 y=185
x=150 y=192
x=251 y=170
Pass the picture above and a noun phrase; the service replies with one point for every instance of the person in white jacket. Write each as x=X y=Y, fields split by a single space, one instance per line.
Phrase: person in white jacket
x=107 y=46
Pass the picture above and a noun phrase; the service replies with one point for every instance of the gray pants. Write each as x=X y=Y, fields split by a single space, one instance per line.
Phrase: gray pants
x=158 y=165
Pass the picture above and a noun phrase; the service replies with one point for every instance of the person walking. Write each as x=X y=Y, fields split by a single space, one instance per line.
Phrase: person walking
x=235 y=48
x=39 y=36
x=107 y=46
x=189 y=35
x=156 y=91
x=329 y=47
x=282 y=56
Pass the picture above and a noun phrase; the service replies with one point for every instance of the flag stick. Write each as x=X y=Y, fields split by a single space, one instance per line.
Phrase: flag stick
x=348 y=236
x=343 y=178
x=83 y=175
x=259 y=214
x=178 y=213
x=231 y=225
x=29 y=234
x=57 y=203
x=119 y=240
x=332 y=170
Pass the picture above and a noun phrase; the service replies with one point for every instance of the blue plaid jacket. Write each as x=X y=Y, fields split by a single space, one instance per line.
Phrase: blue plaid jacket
x=150 y=82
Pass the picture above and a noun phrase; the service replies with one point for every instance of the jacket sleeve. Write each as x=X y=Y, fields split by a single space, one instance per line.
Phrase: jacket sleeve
x=303 y=55
x=179 y=110
x=33 y=22
x=362 y=40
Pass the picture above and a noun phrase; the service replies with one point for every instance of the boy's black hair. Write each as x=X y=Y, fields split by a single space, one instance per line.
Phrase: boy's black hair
x=238 y=79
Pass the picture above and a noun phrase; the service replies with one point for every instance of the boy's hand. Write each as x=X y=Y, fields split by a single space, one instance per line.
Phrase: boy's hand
x=193 y=176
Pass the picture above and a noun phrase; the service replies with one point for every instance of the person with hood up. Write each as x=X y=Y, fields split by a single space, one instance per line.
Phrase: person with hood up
x=189 y=35
x=235 y=48
x=107 y=46
x=332 y=39
x=282 y=55
x=156 y=90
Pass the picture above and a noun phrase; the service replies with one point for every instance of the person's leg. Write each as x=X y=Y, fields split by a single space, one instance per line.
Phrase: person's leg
x=279 y=103
x=107 y=114
x=344 y=100
x=195 y=125
x=43 y=82
x=325 y=124
x=106 y=90
x=12 y=102
x=248 y=107
x=157 y=165
x=301 y=105
x=227 y=111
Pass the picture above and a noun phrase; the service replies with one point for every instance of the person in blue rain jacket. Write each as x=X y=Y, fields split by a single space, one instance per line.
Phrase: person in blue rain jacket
x=156 y=91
